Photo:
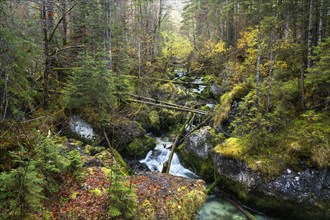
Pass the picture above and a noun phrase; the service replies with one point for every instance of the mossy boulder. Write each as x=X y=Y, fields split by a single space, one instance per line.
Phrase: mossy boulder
x=169 y=91
x=139 y=147
x=221 y=113
x=291 y=190
x=154 y=122
x=163 y=196
x=123 y=131
x=274 y=205
x=92 y=150
x=195 y=151
x=111 y=156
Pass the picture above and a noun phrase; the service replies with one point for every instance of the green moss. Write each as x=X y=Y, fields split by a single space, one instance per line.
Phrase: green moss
x=140 y=147
x=264 y=161
x=78 y=143
x=203 y=167
x=222 y=110
x=111 y=158
x=106 y=171
x=154 y=121
x=74 y=195
x=92 y=150
x=232 y=147
x=97 y=192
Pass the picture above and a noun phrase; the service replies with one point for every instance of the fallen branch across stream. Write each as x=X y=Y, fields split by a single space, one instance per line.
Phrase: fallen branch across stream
x=163 y=105
x=167 y=80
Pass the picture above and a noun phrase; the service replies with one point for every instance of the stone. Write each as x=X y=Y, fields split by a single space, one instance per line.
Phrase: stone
x=199 y=142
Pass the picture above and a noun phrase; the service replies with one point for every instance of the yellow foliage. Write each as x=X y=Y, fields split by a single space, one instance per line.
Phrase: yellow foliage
x=211 y=48
x=249 y=38
x=106 y=171
x=176 y=45
x=97 y=192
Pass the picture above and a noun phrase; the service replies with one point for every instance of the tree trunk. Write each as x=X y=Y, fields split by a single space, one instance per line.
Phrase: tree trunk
x=139 y=38
x=45 y=25
x=302 y=89
x=287 y=28
x=167 y=164
x=65 y=23
x=258 y=63
x=319 y=40
x=4 y=104
x=310 y=35
x=108 y=31
x=270 y=77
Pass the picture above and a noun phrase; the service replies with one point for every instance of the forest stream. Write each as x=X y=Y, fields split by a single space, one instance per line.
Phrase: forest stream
x=215 y=207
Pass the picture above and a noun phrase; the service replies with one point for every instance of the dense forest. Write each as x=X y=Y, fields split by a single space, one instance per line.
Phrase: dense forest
x=132 y=70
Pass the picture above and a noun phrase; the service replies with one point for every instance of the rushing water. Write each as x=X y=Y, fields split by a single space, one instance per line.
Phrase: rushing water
x=200 y=88
x=159 y=155
x=215 y=208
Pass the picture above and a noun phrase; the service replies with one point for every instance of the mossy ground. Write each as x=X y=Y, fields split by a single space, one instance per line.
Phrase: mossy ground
x=300 y=141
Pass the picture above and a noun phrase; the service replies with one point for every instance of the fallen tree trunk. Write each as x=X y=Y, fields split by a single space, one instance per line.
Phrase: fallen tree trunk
x=167 y=164
x=161 y=102
x=180 y=108
x=167 y=80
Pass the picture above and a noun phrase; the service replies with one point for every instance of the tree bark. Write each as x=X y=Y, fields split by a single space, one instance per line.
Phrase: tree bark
x=319 y=40
x=167 y=164
x=258 y=63
x=64 y=22
x=5 y=97
x=310 y=35
x=45 y=26
x=108 y=32
x=302 y=89
x=270 y=75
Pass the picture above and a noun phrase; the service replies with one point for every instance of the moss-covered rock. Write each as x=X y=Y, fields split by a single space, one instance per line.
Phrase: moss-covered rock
x=154 y=122
x=92 y=150
x=273 y=205
x=163 y=196
x=201 y=166
x=290 y=190
x=222 y=110
x=194 y=152
x=108 y=159
x=123 y=131
x=139 y=147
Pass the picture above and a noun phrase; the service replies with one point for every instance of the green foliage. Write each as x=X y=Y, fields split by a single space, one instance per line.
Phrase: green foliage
x=308 y=137
x=90 y=86
x=21 y=188
x=36 y=175
x=122 y=198
x=15 y=86
x=318 y=78
x=74 y=161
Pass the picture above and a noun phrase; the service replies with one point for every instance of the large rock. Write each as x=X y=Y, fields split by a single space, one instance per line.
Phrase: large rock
x=199 y=142
x=307 y=191
x=123 y=131
x=236 y=170
x=164 y=196
x=194 y=152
